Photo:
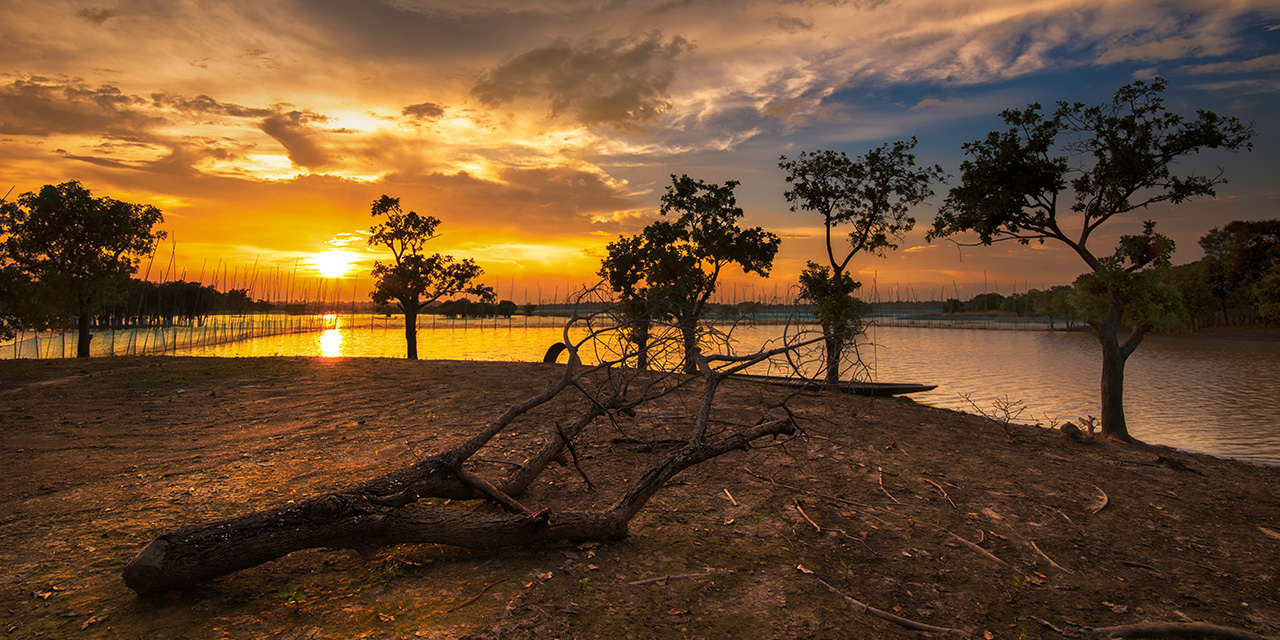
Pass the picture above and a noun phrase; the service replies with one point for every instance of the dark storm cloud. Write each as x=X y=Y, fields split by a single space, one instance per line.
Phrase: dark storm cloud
x=620 y=83
x=423 y=111
x=301 y=141
x=38 y=106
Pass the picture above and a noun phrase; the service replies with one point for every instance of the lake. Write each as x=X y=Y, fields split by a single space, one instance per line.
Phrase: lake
x=1217 y=396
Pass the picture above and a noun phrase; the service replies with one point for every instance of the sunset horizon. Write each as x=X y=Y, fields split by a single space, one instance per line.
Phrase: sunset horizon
x=538 y=132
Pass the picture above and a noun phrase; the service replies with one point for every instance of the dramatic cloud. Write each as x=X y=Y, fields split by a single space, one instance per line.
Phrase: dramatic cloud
x=622 y=82
x=293 y=130
x=39 y=106
x=533 y=123
x=202 y=106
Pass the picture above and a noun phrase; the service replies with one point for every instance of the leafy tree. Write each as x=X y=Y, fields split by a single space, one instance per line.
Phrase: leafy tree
x=625 y=266
x=1267 y=292
x=1060 y=304
x=72 y=253
x=873 y=194
x=1193 y=284
x=986 y=302
x=414 y=280
x=506 y=308
x=1116 y=158
x=671 y=268
x=1237 y=257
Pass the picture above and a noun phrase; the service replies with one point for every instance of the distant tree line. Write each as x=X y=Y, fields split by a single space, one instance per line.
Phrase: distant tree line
x=465 y=308
x=1236 y=283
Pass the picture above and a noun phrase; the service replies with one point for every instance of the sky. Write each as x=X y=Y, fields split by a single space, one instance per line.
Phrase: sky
x=539 y=130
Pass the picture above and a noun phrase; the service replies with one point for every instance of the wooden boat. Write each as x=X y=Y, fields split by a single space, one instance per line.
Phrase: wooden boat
x=878 y=389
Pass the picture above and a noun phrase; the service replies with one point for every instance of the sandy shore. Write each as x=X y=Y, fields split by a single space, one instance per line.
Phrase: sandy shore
x=933 y=515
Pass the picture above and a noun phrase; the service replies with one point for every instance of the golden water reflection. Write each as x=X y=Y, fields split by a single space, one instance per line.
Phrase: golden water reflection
x=1194 y=393
x=331 y=343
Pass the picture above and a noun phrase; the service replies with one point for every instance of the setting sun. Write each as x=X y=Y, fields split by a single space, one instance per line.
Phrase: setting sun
x=334 y=264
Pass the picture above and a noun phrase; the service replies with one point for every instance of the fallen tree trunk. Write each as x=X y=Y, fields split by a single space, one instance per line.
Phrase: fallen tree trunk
x=385 y=510
x=191 y=555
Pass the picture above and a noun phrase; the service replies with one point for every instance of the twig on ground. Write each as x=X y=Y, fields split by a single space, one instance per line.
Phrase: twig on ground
x=806 y=517
x=1139 y=565
x=1105 y=500
x=886 y=491
x=1174 y=629
x=944 y=491
x=1046 y=623
x=884 y=615
x=477 y=596
x=806 y=491
x=1051 y=562
x=664 y=579
x=980 y=550
x=735 y=502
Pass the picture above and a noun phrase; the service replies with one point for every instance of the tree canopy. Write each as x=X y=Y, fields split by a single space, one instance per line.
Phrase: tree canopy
x=69 y=254
x=1109 y=160
x=673 y=266
x=414 y=279
x=873 y=194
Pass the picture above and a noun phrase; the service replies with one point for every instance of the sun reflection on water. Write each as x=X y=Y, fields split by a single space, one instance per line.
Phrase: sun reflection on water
x=331 y=339
x=331 y=344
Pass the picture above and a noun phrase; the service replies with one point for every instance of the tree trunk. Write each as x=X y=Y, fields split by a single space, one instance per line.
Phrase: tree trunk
x=640 y=337
x=411 y=331
x=689 y=338
x=1112 y=387
x=1114 y=356
x=382 y=512
x=834 y=344
x=82 y=346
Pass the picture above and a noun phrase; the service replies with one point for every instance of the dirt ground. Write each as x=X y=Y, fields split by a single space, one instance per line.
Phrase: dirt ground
x=933 y=515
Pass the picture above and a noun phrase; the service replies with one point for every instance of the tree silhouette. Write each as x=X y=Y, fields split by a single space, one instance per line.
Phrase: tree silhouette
x=672 y=267
x=873 y=194
x=1116 y=158
x=415 y=280
x=71 y=254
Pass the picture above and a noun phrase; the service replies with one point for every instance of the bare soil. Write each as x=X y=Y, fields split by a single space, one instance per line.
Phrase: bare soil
x=933 y=515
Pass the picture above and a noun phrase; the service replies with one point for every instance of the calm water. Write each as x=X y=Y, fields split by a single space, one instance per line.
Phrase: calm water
x=1214 y=396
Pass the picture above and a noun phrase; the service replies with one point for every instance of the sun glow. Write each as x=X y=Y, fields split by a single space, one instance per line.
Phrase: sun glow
x=334 y=263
